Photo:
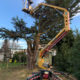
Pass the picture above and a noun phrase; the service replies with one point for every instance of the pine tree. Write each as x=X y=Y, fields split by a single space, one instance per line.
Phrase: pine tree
x=61 y=60
x=74 y=57
x=52 y=19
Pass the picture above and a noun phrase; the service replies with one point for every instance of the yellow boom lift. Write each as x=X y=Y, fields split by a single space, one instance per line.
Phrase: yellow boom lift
x=57 y=38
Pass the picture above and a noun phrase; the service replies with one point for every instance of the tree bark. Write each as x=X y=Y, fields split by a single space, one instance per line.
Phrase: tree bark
x=32 y=52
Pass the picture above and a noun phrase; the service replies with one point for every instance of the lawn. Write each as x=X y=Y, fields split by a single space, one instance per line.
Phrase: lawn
x=10 y=65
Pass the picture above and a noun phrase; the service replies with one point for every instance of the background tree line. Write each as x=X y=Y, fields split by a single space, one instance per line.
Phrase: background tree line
x=68 y=54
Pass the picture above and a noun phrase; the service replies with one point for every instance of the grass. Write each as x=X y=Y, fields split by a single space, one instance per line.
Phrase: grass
x=10 y=65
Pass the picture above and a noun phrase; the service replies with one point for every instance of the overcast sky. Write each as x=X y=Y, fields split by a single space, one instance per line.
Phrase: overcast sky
x=13 y=8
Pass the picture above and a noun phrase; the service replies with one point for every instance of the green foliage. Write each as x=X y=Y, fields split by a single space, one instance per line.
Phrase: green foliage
x=74 y=56
x=71 y=5
x=61 y=60
x=20 y=57
x=15 y=57
x=24 y=58
x=52 y=19
x=4 y=65
x=20 y=30
x=68 y=54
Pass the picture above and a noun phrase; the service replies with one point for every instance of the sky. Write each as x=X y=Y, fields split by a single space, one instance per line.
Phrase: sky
x=10 y=9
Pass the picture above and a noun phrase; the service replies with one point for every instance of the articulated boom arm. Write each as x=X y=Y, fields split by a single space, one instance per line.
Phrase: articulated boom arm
x=58 y=37
x=61 y=34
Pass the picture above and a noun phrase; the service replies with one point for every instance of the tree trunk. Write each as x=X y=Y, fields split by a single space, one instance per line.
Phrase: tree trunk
x=30 y=62
x=32 y=52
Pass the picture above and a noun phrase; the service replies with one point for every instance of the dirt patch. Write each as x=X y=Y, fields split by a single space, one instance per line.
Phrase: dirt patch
x=9 y=74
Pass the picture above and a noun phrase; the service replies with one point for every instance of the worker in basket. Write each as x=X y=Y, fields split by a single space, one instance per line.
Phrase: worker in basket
x=29 y=4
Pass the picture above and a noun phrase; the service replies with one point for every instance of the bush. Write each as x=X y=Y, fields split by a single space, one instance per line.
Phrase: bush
x=20 y=57
x=15 y=57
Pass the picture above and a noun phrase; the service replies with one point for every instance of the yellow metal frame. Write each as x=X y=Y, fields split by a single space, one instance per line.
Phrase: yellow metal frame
x=65 y=29
x=25 y=3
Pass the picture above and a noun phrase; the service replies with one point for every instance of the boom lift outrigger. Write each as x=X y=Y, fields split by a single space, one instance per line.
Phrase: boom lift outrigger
x=57 y=38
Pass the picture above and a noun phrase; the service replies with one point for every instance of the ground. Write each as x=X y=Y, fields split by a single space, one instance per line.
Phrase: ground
x=13 y=74
x=14 y=71
x=18 y=71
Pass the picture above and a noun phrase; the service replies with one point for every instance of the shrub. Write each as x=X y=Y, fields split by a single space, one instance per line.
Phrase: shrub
x=20 y=57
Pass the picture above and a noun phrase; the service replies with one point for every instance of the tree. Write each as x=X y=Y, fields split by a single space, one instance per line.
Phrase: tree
x=61 y=60
x=6 y=50
x=45 y=19
x=74 y=57
x=30 y=35
x=71 y=5
x=52 y=19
